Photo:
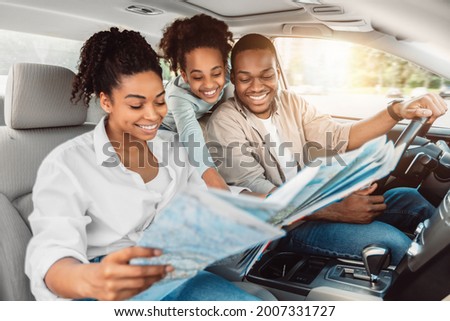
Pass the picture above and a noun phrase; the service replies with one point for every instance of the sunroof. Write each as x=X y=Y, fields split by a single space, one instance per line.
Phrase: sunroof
x=240 y=8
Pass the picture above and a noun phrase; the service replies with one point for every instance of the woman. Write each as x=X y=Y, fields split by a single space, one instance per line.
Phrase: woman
x=198 y=47
x=95 y=194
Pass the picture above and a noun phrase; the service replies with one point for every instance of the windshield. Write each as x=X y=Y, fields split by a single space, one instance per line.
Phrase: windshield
x=353 y=81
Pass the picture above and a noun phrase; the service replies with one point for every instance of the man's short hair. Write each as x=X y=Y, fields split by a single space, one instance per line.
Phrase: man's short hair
x=250 y=42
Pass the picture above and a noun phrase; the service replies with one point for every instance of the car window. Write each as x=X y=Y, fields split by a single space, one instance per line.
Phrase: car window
x=349 y=80
x=167 y=74
x=25 y=47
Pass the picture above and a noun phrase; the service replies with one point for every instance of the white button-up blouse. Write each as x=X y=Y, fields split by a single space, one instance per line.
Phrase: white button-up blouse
x=87 y=204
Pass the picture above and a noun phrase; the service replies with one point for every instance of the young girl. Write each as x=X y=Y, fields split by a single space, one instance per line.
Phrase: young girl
x=198 y=47
x=95 y=194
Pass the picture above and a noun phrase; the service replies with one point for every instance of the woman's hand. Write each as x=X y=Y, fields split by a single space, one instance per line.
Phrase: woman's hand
x=111 y=279
x=115 y=279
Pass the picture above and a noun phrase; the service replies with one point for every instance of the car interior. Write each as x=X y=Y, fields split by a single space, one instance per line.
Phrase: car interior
x=36 y=115
x=2 y=113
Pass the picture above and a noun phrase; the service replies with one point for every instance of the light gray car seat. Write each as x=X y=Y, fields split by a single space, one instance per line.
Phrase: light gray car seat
x=39 y=116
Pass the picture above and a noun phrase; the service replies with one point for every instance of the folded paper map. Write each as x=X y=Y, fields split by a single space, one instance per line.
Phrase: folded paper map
x=199 y=228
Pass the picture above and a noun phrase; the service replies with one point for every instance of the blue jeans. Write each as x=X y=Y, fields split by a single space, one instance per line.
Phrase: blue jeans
x=405 y=209
x=205 y=286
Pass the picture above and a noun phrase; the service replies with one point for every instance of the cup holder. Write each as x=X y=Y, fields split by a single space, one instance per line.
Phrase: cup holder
x=288 y=271
x=309 y=271
x=279 y=265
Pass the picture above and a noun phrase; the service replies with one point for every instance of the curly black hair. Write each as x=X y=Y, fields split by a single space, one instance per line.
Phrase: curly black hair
x=106 y=56
x=200 y=31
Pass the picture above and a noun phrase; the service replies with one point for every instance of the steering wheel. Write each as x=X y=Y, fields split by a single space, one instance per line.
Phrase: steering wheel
x=417 y=127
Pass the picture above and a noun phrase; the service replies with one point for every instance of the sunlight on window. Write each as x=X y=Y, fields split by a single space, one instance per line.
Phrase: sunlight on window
x=310 y=67
x=348 y=80
x=25 y=47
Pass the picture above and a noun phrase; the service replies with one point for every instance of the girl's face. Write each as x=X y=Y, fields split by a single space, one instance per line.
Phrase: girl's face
x=136 y=107
x=205 y=73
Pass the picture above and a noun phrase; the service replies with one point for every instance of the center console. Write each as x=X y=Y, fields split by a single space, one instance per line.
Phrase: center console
x=290 y=273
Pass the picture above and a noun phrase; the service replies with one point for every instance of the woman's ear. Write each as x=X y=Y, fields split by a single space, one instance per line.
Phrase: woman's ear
x=105 y=102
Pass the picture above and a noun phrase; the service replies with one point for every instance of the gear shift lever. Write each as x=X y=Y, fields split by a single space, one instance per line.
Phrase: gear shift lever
x=375 y=257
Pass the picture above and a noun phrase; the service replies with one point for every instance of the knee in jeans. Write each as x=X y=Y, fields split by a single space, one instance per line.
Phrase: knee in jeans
x=404 y=193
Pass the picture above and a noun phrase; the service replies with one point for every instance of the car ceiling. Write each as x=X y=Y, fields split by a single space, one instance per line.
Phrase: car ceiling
x=43 y=15
x=388 y=22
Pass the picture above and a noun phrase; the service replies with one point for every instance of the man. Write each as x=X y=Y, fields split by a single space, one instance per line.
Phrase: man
x=264 y=135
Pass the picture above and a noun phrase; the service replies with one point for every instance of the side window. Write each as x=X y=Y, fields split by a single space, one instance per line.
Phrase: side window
x=352 y=81
x=24 y=47
x=167 y=74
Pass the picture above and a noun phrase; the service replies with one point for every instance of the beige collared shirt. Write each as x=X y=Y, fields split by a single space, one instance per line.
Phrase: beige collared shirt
x=244 y=156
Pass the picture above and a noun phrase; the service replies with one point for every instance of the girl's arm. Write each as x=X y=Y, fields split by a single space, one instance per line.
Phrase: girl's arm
x=191 y=136
x=213 y=179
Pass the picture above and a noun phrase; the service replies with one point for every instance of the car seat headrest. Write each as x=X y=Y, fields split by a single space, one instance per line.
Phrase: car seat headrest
x=38 y=96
